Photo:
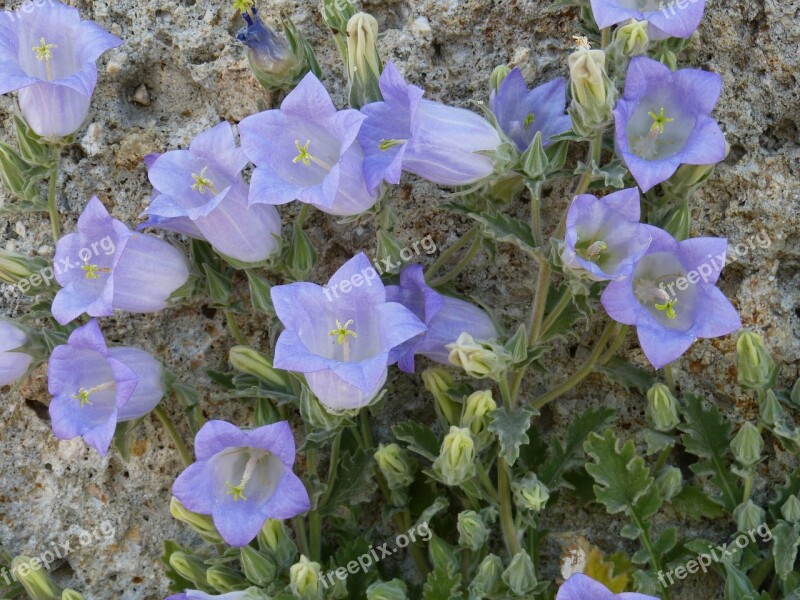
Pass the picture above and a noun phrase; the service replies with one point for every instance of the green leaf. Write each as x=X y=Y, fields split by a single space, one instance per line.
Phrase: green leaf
x=442 y=584
x=219 y=286
x=354 y=483
x=260 y=293
x=124 y=436
x=511 y=430
x=33 y=148
x=502 y=228
x=420 y=439
x=784 y=548
x=707 y=435
x=517 y=345
x=561 y=457
x=694 y=503
x=622 y=372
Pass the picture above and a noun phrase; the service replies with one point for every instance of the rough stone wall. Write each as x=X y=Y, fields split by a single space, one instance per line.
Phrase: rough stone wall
x=194 y=73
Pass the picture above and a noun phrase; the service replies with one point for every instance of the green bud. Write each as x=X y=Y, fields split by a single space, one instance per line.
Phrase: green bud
x=71 y=595
x=771 y=409
x=472 y=531
x=477 y=359
x=631 y=39
x=189 y=567
x=33 y=578
x=439 y=382
x=252 y=362
x=748 y=516
x=202 y=524
x=593 y=94
x=477 y=407
x=301 y=256
x=364 y=66
x=224 y=579
x=257 y=567
x=519 y=576
x=747 y=445
x=670 y=482
x=756 y=367
x=456 y=460
x=395 y=465
x=791 y=509
x=662 y=408
x=387 y=590
x=274 y=540
x=304 y=579
x=689 y=177
x=488 y=578
x=530 y=493
x=678 y=222
x=498 y=76
x=15 y=267
x=443 y=555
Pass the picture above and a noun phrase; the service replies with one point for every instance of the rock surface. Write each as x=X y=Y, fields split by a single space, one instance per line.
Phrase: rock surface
x=180 y=71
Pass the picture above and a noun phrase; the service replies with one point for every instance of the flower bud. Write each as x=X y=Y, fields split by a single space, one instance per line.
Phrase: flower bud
x=255 y=363
x=488 y=578
x=304 y=579
x=662 y=408
x=530 y=493
x=477 y=407
x=71 y=595
x=678 y=222
x=189 y=567
x=224 y=579
x=771 y=409
x=395 y=465
x=670 y=482
x=631 y=39
x=748 y=516
x=387 y=590
x=472 y=531
x=301 y=256
x=364 y=66
x=592 y=91
x=439 y=383
x=202 y=524
x=520 y=576
x=477 y=359
x=15 y=267
x=273 y=539
x=747 y=445
x=256 y=566
x=33 y=578
x=456 y=460
x=441 y=553
x=689 y=177
x=498 y=76
x=791 y=509
x=756 y=367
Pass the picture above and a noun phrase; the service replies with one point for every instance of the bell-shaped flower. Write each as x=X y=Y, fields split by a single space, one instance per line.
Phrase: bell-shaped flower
x=14 y=363
x=307 y=151
x=200 y=192
x=671 y=297
x=49 y=55
x=522 y=113
x=255 y=594
x=604 y=237
x=341 y=336
x=106 y=267
x=582 y=587
x=443 y=144
x=95 y=387
x=664 y=120
x=242 y=478
x=677 y=18
x=446 y=318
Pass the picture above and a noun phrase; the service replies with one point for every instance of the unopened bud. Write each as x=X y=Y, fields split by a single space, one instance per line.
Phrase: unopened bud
x=255 y=363
x=189 y=567
x=304 y=579
x=15 y=267
x=662 y=408
x=202 y=524
x=747 y=445
x=669 y=482
x=632 y=38
x=748 y=516
x=498 y=76
x=395 y=465
x=756 y=367
x=364 y=66
x=771 y=409
x=791 y=509
x=225 y=580
x=477 y=359
x=274 y=540
x=387 y=590
x=456 y=460
x=439 y=382
x=477 y=407
x=33 y=578
x=472 y=531
x=71 y=595
x=520 y=575
x=257 y=566
x=593 y=94
x=488 y=578
x=301 y=256
x=530 y=493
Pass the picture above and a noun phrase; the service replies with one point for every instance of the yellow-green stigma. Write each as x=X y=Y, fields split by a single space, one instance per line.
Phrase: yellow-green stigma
x=659 y=121
x=91 y=271
x=304 y=155
x=44 y=51
x=595 y=250
x=243 y=6
x=341 y=332
x=237 y=491
x=386 y=144
x=202 y=183
x=669 y=307
x=529 y=120
x=83 y=396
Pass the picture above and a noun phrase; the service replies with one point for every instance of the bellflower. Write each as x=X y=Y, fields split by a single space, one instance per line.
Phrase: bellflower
x=242 y=478
x=581 y=587
x=95 y=387
x=604 y=237
x=442 y=144
x=523 y=113
x=664 y=120
x=671 y=18
x=49 y=55
x=271 y=60
x=200 y=192
x=307 y=151
x=105 y=266
x=671 y=296
x=445 y=317
x=13 y=363
x=341 y=335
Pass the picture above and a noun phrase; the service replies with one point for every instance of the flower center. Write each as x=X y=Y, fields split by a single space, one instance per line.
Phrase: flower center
x=237 y=491
x=594 y=251
x=668 y=307
x=659 y=120
x=83 y=394
x=386 y=144
x=649 y=293
x=343 y=333
x=203 y=183
x=306 y=157
x=92 y=270
x=44 y=51
x=243 y=6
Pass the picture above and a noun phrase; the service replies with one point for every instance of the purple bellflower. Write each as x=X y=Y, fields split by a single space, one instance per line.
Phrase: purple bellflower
x=105 y=266
x=582 y=587
x=446 y=318
x=242 y=478
x=604 y=237
x=442 y=144
x=13 y=363
x=671 y=296
x=307 y=151
x=671 y=18
x=197 y=595
x=49 y=55
x=341 y=335
x=95 y=387
x=664 y=120
x=200 y=192
x=523 y=113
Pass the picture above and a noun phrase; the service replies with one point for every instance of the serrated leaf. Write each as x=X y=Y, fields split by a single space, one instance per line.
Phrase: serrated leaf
x=784 y=548
x=694 y=503
x=442 y=585
x=511 y=430
x=622 y=372
x=503 y=228
x=420 y=439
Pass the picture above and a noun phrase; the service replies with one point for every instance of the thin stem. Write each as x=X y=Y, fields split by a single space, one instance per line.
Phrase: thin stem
x=561 y=305
x=237 y=333
x=301 y=535
x=366 y=434
x=52 y=208
x=447 y=254
x=614 y=346
x=651 y=550
x=670 y=377
x=486 y=481
x=461 y=265
x=539 y=303
x=314 y=518
x=510 y=533
x=170 y=428
x=536 y=219
x=302 y=216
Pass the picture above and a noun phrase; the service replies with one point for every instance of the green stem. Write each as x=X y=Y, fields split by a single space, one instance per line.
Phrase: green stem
x=536 y=219
x=315 y=518
x=614 y=346
x=170 y=428
x=560 y=307
x=461 y=265
x=302 y=215
x=301 y=535
x=52 y=208
x=651 y=550
x=510 y=533
x=662 y=459
x=366 y=434
x=486 y=481
x=237 y=333
x=447 y=254
x=670 y=377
